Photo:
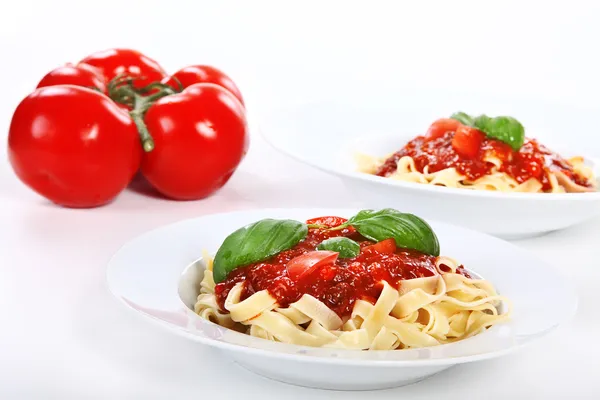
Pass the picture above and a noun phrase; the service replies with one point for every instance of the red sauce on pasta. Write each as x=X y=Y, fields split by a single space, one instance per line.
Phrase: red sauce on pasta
x=338 y=286
x=533 y=160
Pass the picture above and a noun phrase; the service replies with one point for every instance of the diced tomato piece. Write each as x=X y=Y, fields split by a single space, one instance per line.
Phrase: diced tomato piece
x=387 y=246
x=467 y=141
x=309 y=262
x=441 y=126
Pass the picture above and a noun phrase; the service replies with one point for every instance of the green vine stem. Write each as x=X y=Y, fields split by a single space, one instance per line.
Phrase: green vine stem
x=154 y=86
x=317 y=226
x=339 y=227
x=122 y=91
x=145 y=137
x=179 y=84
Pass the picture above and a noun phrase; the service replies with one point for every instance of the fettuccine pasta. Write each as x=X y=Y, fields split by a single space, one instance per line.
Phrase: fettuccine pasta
x=494 y=180
x=435 y=302
x=458 y=156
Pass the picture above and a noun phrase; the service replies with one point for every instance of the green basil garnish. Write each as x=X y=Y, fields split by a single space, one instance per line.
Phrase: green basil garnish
x=256 y=242
x=480 y=121
x=265 y=238
x=347 y=248
x=409 y=231
x=504 y=129
x=463 y=118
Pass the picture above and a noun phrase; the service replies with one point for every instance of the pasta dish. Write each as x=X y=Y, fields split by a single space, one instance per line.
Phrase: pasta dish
x=490 y=155
x=373 y=282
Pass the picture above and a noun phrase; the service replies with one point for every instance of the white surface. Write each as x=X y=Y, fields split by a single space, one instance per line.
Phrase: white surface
x=61 y=334
x=381 y=124
x=147 y=275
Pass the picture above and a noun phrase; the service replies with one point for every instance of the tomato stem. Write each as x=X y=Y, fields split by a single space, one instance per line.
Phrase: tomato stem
x=339 y=227
x=121 y=90
x=179 y=84
x=317 y=226
x=321 y=226
x=140 y=106
x=145 y=137
x=154 y=86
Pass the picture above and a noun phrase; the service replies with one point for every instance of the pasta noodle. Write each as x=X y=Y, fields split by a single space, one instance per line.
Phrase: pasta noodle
x=482 y=153
x=495 y=180
x=421 y=312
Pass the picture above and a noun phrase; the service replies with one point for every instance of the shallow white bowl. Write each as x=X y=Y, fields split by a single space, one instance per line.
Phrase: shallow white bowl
x=326 y=136
x=158 y=274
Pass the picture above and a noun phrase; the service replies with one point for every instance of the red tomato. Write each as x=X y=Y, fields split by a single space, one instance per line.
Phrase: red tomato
x=387 y=246
x=308 y=262
x=441 y=126
x=115 y=62
x=78 y=75
x=330 y=222
x=203 y=74
x=200 y=138
x=467 y=141
x=73 y=146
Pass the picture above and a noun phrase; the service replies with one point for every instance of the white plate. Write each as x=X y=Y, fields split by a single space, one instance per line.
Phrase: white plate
x=327 y=134
x=158 y=274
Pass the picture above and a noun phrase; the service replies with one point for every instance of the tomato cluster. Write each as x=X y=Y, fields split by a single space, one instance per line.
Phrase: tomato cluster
x=88 y=128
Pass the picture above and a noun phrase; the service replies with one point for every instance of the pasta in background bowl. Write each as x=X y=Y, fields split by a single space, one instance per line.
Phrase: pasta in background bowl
x=328 y=136
x=456 y=155
x=158 y=276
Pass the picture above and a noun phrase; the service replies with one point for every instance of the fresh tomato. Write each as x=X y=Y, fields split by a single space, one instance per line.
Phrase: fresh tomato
x=200 y=137
x=387 y=246
x=441 y=126
x=467 y=141
x=79 y=75
x=73 y=145
x=203 y=74
x=299 y=266
x=330 y=222
x=128 y=62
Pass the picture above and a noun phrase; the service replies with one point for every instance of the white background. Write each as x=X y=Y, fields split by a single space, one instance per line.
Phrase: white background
x=63 y=337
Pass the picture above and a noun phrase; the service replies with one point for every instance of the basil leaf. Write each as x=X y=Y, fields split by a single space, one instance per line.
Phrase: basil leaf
x=409 y=231
x=256 y=242
x=463 y=118
x=481 y=121
x=347 y=248
x=505 y=129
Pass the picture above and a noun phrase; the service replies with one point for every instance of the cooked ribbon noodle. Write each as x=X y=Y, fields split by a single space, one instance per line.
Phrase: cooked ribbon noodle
x=421 y=312
x=495 y=180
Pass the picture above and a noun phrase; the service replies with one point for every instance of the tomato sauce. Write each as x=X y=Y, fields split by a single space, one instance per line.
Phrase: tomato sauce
x=338 y=286
x=533 y=160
